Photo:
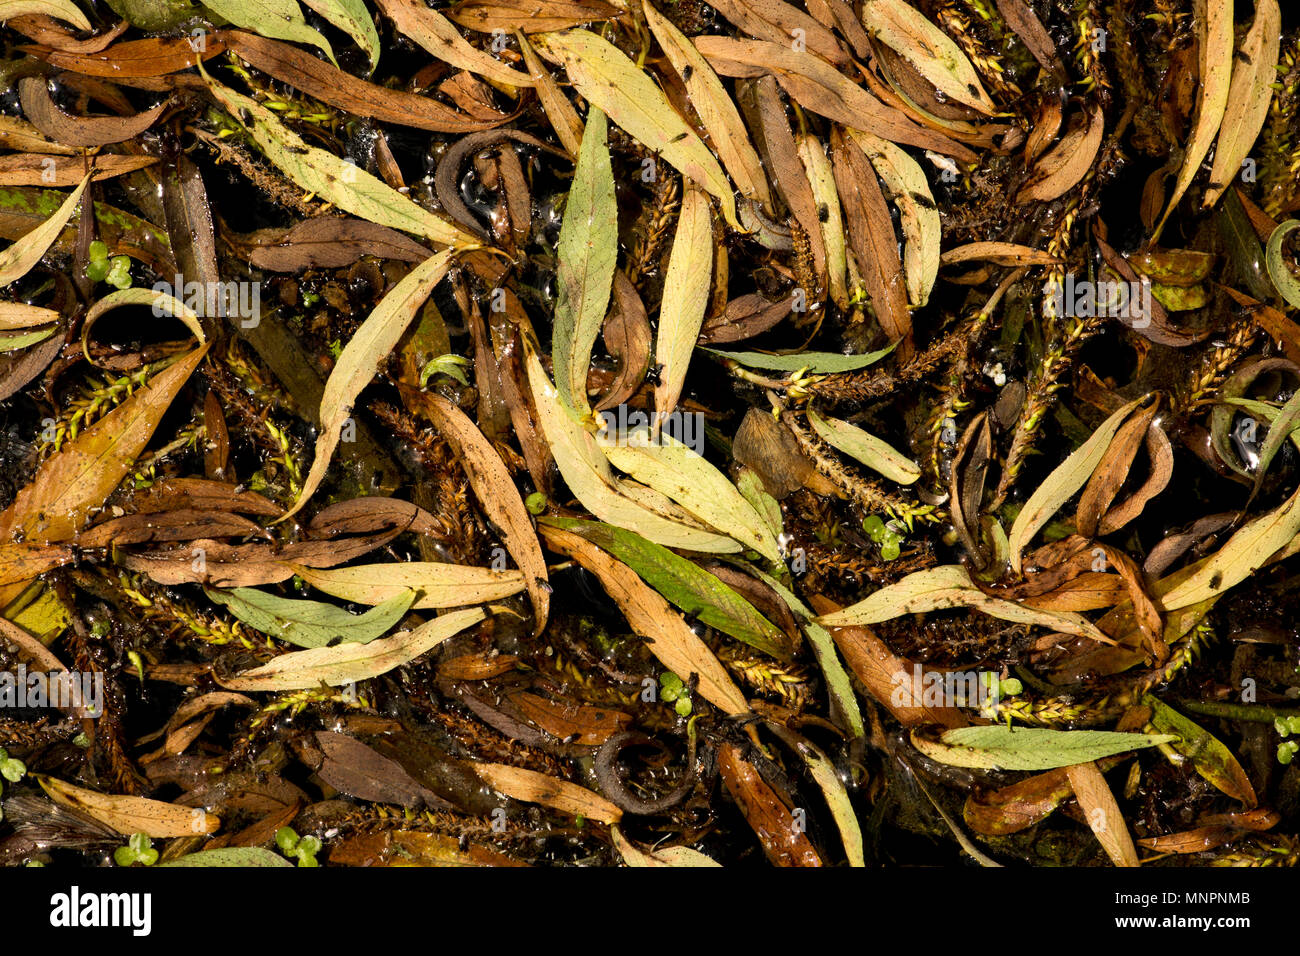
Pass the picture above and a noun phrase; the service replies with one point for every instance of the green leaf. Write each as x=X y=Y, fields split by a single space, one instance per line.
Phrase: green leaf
x=867 y=448
x=1208 y=755
x=586 y=254
x=348 y=663
x=153 y=14
x=17 y=260
x=1284 y=279
x=608 y=79
x=996 y=747
x=312 y=623
x=276 y=19
x=351 y=189
x=815 y=362
x=231 y=856
x=685 y=585
x=352 y=17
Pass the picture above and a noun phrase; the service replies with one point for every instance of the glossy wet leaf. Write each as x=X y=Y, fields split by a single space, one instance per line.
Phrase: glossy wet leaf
x=277 y=19
x=351 y=189
x=352 y=17
x=64 y=10
x=439 y=36
x=1102 y=813
x=614 y=84
x=371 y=345
x=635 y=856
x=1208 y=755
x=19 y=257
x=533 y=787
x=685 y=584
x=876 y=454
x=937 y=58
x=347 y=663
x=586 y=256
x=1284 y=280
x=312 y=623
x=996 y=747
x=129 y=815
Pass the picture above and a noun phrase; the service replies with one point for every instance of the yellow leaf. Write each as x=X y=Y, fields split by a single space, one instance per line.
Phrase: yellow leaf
x=128 y=815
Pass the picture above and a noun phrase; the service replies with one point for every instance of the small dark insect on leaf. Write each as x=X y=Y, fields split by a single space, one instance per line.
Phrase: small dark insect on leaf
x=678 y=138
x=823 y=212
x=1244 y=57
x=687 y=72
x=922 y=200
x=1216 y=580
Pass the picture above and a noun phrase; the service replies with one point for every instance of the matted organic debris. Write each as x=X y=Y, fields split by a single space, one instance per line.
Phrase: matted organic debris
x=649 y=432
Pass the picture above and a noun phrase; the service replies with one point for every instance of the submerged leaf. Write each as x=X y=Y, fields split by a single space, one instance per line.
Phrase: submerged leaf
x=312 y=623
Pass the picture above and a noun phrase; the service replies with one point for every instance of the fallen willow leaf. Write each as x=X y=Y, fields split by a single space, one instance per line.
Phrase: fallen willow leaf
x=685 y=584
x=18 y=134
x=439 y=37
x=1213 y=21
x=440 y=585
x=1018 y=806
x=312 y=623
x=563 y=117
x=1102 y=813
x=20 y=340
x=499 y=499
x=1211 y=759
x=368 y=347
x=871 y=237
x=817 y=86
x=585 y=258
x=240 y=856
x=155 y=299
x=1284 y=279
x=829 y=215
x=1064 y=167
x=585 y=725
x=685 y=297
x=351 y=189
x=948 y=586
x=866 y=448
x=538 y=16
x=837 y=798
x=348 y=663
x=19 y=258
x=614 y=84
x=627 y=335
x=1062 y=483
x=587 y=472
x=908 y=32
x=277 y=19
x=714 y=106
x=777 y=21
x=129 y=815
x=38 y=106
x=816 y=362
x=997 y=747
x=131 y=59
x=64 y=10
x=35 y=169
x=73 y=483
x=674 y=469
x=331 y=85
x=332 y=242
x=918 y=215
x=16 y=315
x=672 y=641
x=1000 y=253
x=633 y=855
x=773 y=822
x=533 y=787
x=1021 y=18
x=1249 y=94
x=1241 y=556
x=352 y=17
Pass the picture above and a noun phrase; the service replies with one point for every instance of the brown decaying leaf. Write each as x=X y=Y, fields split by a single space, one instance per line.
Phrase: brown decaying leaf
x=776 y=21
x=772 y=821
x=48 y=31
x=533 y=787
x=498 y=498
x=331 y=85
x=582 y=724
x=1018 y=806
x=628 y=338
x=887 y=677
x=772 y=451
x=33 y=169
x=333 y=242
x=439 y=37
x=1061 y=169
x=744 y=317
x=38 y=106
x=1022 y=19
x=530 y=16
x=348 y=765
x=150 y=57
x=871 y=237
x=1102 y=813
